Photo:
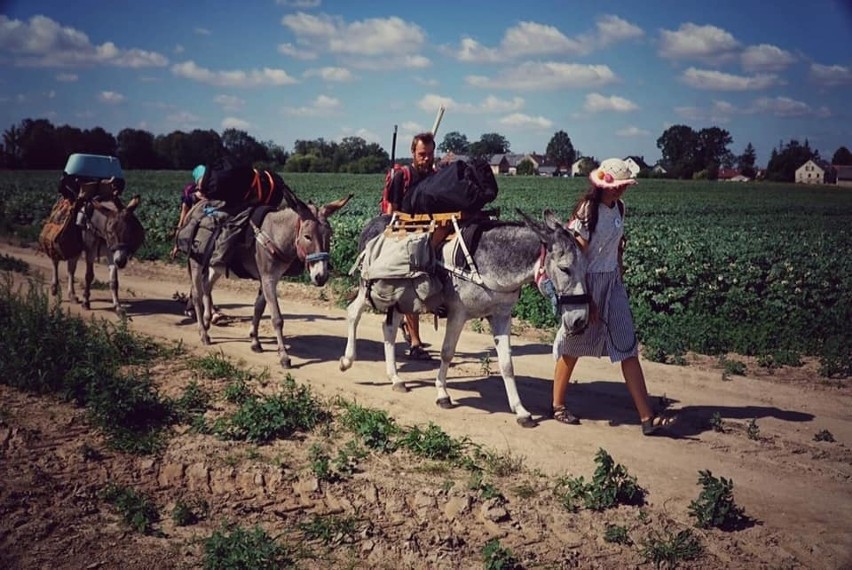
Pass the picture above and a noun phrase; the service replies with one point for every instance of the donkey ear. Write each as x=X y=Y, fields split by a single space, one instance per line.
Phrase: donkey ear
x=543 y=233
x=332 y=207
x=551 y=220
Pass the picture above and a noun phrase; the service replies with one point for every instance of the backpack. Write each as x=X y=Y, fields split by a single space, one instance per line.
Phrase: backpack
x=457 y=187
x=385 y=204
x=227 y=180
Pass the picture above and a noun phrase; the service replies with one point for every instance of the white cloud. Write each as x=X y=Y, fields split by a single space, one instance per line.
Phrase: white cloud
x=831 y=75
x=535 y=76
x=597 y=103
x=305 y=4
x=719 y=113
x=237 y=78
x=786 y=107
x=705 y=43
x=111 y=97
x=520 y=120
x=43 y=42
x=179 y=49
x=369 y=37
x=290 y=50
x=632 y=132
x=229 y=102
x=202 y=31
x=765 y=57
x=363 y=133
x=319 y=107
x=51 y=94
x=338 y=74
x=235 y=123
x=529 y=39
x=426 y=81
x=67 y=77
x=183 y=119
x=490 y=104
x=718 y=81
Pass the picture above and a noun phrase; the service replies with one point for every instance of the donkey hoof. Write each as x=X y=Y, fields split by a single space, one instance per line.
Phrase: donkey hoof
x=400 y=387
x=205 y=340
x=527 y=422
x=285 y=362
x=345 y=363
x=444 y=403
x=256 y=348
x=86 y=305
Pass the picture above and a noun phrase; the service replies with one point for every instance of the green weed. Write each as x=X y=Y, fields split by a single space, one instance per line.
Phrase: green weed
x=667 y=550
x=752 y=430
x=433 y=443
x=217 y=366
x=10 y=263
x=236 y=547
x=616 y=534
x=496 y=557
x=137 y=510
x=823 y=435
x=611 y=485
x=715 y=505
x=329 y=529
x=717 y=423
x=485 y=365
x=374 y=428
x=187 y=512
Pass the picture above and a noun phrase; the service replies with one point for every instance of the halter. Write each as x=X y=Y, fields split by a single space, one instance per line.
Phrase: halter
x=303 y=255
x=265 y=241
x=546 y=287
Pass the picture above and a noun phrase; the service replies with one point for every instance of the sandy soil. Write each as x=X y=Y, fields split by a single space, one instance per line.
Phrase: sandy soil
x=796 y=490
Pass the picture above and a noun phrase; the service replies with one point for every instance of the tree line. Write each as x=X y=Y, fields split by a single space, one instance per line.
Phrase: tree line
x=686 y=154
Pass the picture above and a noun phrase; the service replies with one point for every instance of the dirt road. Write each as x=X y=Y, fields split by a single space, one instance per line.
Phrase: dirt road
x=798 y=490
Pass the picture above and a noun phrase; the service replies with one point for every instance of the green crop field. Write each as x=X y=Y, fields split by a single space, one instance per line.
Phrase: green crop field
x=752 y=268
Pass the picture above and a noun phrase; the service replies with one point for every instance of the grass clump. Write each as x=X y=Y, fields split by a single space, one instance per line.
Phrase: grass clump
x=237 y=547
x=824 y=435
x=616 y=534
x=433 y=443
x=666 y=550
x=715 y=505
x=189 y=511
x=11 y=263
x=261 y=419
x=329 y=529
x=137 y=510
x=497 y=557
x=375 y=428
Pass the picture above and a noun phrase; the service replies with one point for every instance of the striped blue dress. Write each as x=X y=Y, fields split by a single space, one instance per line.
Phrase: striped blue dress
x=612 y=332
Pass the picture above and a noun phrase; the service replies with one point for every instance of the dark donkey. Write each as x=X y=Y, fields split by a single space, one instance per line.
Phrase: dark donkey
x=290 y=240
x=110 y=226
x=508 y=255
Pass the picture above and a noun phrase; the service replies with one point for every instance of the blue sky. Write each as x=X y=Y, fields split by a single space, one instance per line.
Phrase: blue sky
x=613 y=75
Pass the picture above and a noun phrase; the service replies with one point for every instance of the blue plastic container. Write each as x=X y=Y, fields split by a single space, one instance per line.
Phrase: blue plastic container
x=94 y=166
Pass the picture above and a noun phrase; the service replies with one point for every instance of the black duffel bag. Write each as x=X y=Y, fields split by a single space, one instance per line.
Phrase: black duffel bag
x=457 y=187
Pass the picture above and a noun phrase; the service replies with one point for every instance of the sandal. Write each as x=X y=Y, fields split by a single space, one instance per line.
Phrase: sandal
x=418 y=353
x=561 y=414
x=656 y=424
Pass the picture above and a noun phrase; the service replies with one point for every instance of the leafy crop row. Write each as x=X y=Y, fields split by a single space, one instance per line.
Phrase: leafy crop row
x=756 y=269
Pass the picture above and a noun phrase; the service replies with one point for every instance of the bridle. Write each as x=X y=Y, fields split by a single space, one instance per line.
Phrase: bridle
x=306 y=258
x=546 y=287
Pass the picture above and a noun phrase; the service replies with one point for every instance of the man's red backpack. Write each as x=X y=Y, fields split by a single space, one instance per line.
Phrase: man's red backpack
x=385 y=204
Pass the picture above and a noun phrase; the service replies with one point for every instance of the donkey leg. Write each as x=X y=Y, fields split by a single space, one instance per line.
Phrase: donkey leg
x=269 y=284
x=71 y=269
x=259 y=307
x=196 y=274
x=113 y=286
x=455 y=324
x=353 y=317
x=501 y=330
x=87 y=279
x=389 y=333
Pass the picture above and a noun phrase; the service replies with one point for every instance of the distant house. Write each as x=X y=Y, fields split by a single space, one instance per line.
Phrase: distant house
x=737 y=178
x=815 y=172
x=499 y=164
x=548 y=170
x=843 y=175
x=582 y=166
x=659 y=170
x=727 y=173
x=452 y=157
x=636 y=164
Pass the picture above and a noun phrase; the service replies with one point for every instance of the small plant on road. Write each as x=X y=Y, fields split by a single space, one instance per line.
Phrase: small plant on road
x=715 y=505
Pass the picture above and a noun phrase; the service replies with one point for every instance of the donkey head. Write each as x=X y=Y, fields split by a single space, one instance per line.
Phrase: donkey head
x=564 y=268
x=313 y=240
x=120 y=229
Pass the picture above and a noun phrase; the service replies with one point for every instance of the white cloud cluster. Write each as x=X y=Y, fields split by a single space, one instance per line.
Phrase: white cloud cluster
x=111 y=97
x=523 y=121
x=42 y=42
x=539 y=76
x=490 y=104
x=335 y=74
x=532 y=39
x=705 y=43
x=718 y=81
x=229 y=102
x=597 y=103
x=322 y=106
x=765 y=57
x=831 y=75
x=370 y=43
x=235 y=123
x=722 y=111
x=235 y=78
x=299 y=4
